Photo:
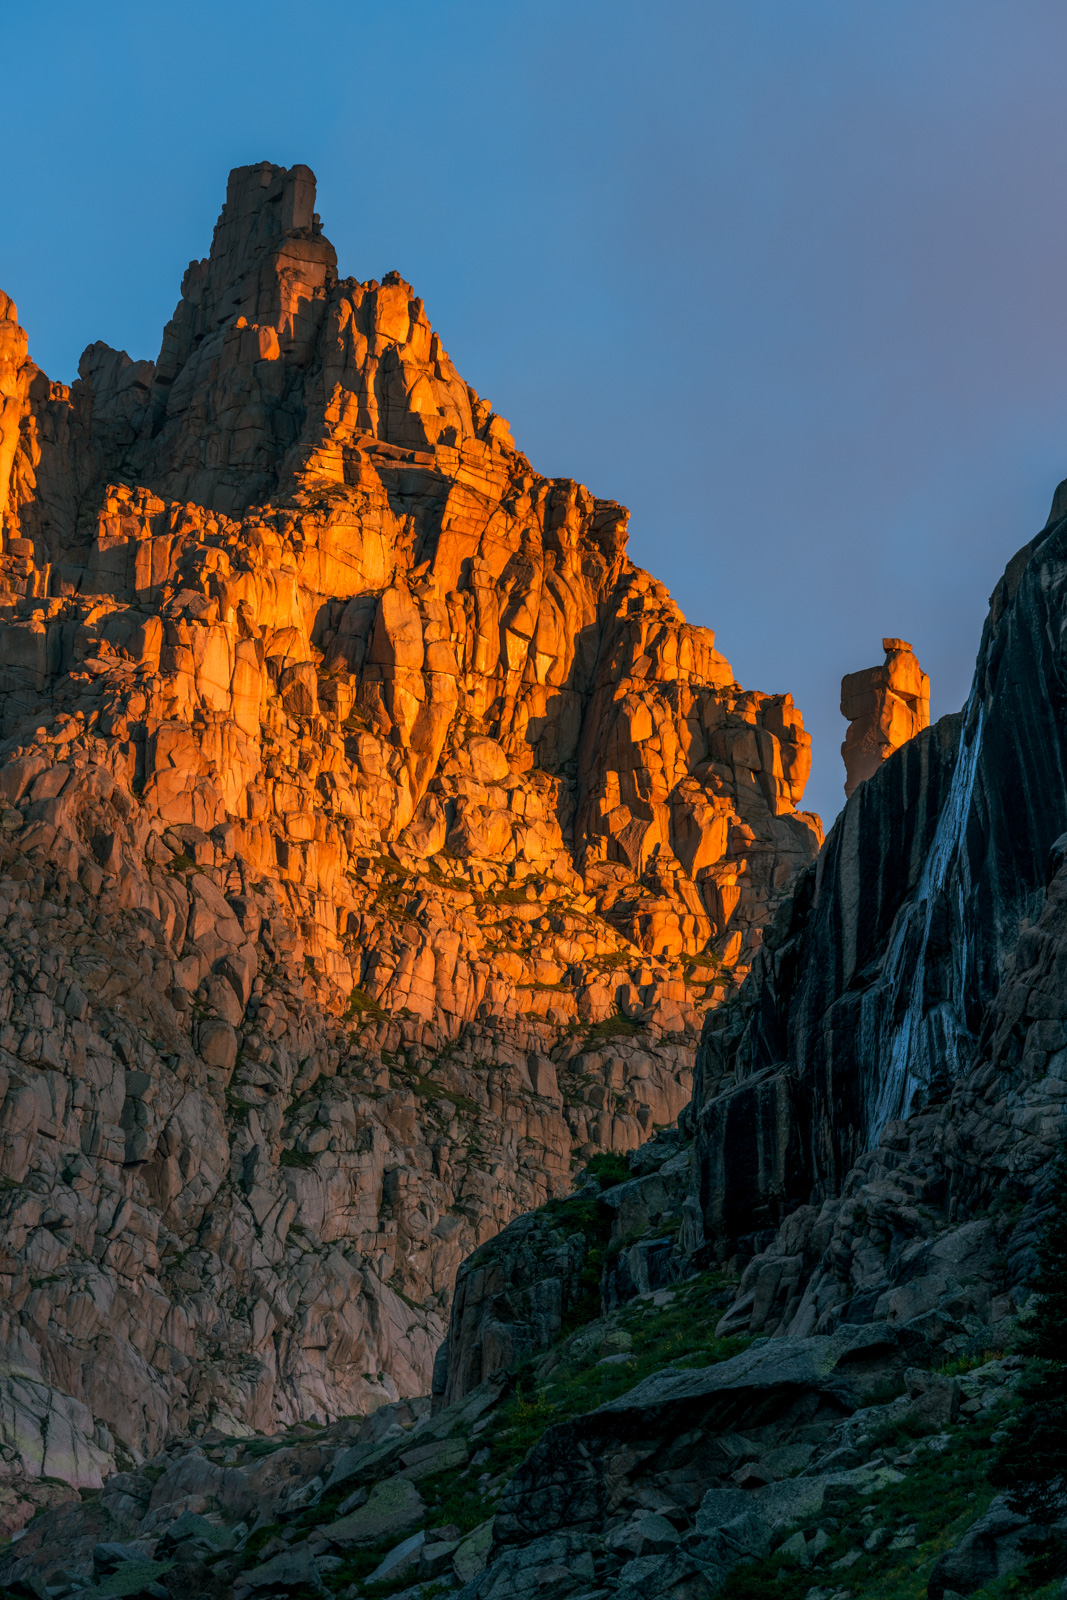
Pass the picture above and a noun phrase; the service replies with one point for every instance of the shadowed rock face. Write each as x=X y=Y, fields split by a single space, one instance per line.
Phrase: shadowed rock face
x=871 y=993
x=373 y=834
x=886 y=706
x=664 y=1438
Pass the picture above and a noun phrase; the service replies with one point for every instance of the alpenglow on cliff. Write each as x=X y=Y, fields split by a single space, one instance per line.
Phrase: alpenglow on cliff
x=374 y=837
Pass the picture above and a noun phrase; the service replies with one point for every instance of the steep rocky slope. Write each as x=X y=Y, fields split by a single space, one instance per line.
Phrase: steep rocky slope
x=769 y=1349
x=373 y=836
x=878 y=990
x=865 y=1158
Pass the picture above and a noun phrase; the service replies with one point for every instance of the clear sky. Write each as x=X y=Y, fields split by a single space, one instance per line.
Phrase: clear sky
x=786 y=277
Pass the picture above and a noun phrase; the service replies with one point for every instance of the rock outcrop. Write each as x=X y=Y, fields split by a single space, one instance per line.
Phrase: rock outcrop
x=373 y=836
x=874 y=1122
x=776 y=1336
x=775 y=1456
x=885 y=706
x=875 y=992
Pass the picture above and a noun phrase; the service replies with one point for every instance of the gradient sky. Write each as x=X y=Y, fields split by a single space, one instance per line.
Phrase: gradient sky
x=785 y=276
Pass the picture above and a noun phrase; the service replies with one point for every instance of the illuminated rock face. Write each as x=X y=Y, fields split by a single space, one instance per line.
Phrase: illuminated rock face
x=886 y=706
x=374 y=835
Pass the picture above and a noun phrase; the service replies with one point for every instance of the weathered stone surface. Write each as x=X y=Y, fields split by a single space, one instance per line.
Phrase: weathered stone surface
x=403 y=1557
x=392 y=1510
x=290 y=1572
x=993 y=1547
x=885 y=706
x=514 y=1294
x=620 y=1453
x=901 y=1241
x=873 y=991
x=473 y=1552
x=511 y=1297
x=373 y=833
x=552 y=1566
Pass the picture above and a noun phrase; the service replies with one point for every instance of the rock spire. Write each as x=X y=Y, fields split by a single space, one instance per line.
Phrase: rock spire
x=373 y=837
x=886 y=706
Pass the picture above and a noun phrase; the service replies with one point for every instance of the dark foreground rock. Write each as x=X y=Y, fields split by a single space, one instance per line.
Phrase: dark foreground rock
x=872 y=995
x=992 y=1548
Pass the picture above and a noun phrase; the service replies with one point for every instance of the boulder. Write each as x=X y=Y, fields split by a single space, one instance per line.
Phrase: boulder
x=393 y=1508
x=992 y=1548
x=290 y=1572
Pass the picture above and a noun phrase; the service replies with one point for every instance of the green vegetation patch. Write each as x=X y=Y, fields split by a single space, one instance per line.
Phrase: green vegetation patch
x=435 y=1091
x=616 y=1027
x=511 y=895
x=609 y=1168
x=298 y=1158
x=925 y=1513
x=361 y=1005
x=428 y=1087
x=453 y=1497
x=396 y=869
x=677 y=1334
x=130 y=1579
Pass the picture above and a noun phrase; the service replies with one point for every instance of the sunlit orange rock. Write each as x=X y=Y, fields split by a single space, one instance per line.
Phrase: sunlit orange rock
x=373 y=838
x=885 y=706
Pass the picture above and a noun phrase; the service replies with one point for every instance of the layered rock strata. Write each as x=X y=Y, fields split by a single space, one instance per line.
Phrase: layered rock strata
x=373 y=835
x=885 y=706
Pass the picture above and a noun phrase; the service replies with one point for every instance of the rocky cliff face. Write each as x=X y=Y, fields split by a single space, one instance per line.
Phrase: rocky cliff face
x=373 y=835
x=873 y=996
x=885 y=706
x=865 y=1159
x=776 y=1337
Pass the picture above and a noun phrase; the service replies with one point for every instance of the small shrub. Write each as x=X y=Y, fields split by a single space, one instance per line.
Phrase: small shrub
x=298 y=1158
x=964 y=1364
x=609 y=1168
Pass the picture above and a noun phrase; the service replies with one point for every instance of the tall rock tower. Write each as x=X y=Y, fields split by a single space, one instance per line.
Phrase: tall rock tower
x=885 y=706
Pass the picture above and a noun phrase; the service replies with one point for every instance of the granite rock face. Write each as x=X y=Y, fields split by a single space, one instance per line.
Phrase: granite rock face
x=373 y=835
x=876 y=990
x=247 y=1142
x=885 y=706
x=867 y=1155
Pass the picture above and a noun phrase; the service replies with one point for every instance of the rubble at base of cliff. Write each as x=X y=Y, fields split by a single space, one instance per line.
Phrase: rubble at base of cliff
x=617 y=1462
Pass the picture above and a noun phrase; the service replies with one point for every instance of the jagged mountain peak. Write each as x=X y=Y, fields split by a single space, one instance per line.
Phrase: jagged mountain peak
x=374 y=834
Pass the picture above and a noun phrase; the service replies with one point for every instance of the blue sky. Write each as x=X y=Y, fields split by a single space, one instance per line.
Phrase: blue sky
x=786 y=277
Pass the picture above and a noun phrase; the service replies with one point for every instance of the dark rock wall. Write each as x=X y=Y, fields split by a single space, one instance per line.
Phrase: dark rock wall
x=869 y=996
